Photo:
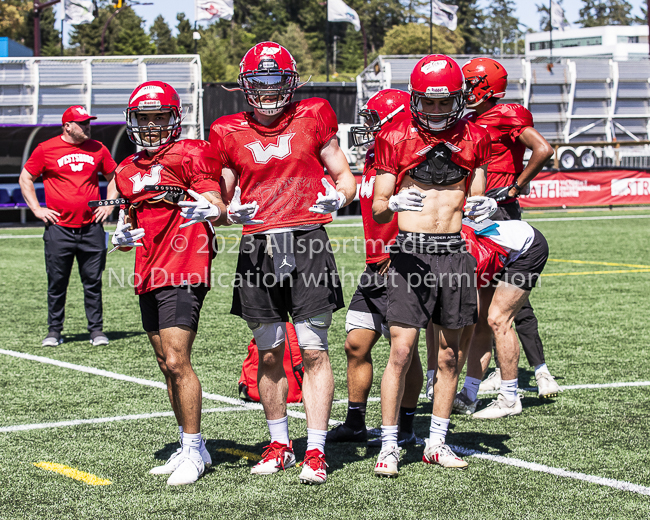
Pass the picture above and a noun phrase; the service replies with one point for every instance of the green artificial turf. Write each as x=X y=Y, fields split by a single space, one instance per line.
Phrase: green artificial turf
x=592 y=319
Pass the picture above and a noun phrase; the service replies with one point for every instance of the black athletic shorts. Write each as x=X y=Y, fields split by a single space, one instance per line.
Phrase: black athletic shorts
x=509 y=211
x=172 y=307
x=312 y=288
x=371 y=295
x=436 y=286
x=526 y=269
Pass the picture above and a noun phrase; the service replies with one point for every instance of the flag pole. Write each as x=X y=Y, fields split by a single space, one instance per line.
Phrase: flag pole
x=327 y=50
x=431 y=26
x=550 y=23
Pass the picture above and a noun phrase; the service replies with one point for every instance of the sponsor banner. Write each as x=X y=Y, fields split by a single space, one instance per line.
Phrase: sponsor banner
x=588 y=188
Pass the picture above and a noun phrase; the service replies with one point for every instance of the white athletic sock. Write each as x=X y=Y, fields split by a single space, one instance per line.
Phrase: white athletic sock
x=180 y=431
x=191 y=441
x=388 y=437
x=471 y=387
x=509 y=389
x=438 y=430
x=279 y=429
x=542 y=368
x=316 y=439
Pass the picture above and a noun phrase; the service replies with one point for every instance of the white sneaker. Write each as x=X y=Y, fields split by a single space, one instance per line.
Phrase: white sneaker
x=276 y=456
x=387 y=463
x=442 y=455
x=98 y=339
x=498 y=408
x=314 y=468
x=189 y=470
x=546 y=385
x=492 y=383
x=464 y=405
x=175 y=460
x=429 y=390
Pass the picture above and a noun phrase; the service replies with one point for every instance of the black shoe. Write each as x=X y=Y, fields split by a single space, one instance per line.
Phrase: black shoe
x=402 y=439
x=343 y=433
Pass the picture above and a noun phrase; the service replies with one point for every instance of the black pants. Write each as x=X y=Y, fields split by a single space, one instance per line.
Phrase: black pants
x=62 y=246
x=525 y=320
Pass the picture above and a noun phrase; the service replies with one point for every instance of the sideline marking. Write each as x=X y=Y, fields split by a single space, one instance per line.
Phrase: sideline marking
x=144 y=382
x=21 y=236
x=67 y=471
x=100 y=420
x=596 y=263
x=583 y=273
x=532 y=466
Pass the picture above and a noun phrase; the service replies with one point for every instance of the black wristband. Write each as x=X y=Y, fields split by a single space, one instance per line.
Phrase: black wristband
x=517 y=187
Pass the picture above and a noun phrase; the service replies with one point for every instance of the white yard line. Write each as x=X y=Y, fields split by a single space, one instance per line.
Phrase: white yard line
x=611 y=217
x=100 y=420
x=21 y=236
x=592 y=479
x=144 y=382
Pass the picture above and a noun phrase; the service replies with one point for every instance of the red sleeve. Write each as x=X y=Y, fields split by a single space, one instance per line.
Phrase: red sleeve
x=327 y=123
x=520 y=120
x=36 y=162
x=385 y=157
x=203 y=167
x=483 y=150
x=108 y=163
x=219 y=148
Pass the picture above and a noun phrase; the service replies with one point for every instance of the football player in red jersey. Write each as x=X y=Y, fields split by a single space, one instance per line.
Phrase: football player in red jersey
x=273 y=174
x=434 y=161
x=365 y=321
x=172 y=262
x=511 y=130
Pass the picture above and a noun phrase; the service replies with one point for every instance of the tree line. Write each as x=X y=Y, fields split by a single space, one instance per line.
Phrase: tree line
x=389 y=27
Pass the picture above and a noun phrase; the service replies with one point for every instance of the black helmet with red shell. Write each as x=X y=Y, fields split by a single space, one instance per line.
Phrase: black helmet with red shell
x=154 y=96
x=388 y=105
x=437 y=77
x=486 y=78
x=268 y=77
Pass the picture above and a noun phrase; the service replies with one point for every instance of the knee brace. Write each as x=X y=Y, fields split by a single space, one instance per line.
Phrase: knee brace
x=268 y=335
x=312 y=332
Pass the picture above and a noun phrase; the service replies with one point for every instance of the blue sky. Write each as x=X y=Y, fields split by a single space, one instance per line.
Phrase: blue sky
x=526 y=10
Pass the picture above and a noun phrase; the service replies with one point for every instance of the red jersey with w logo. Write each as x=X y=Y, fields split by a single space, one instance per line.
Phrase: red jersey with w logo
x=279 y=166
x=170 y=256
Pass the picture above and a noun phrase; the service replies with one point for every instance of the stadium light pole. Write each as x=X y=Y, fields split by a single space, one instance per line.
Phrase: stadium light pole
x=38 y=7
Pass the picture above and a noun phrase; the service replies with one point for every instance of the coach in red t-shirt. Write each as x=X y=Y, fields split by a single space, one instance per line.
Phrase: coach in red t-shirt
x=70 y=165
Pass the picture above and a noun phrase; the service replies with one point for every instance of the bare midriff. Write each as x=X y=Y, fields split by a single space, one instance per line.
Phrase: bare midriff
x=442 y=211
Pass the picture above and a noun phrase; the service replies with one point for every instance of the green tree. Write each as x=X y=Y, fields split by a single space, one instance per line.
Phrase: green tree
x=350 y=58
x=294 y=40
x=185 y=39
x=471 y=23
x=125 y=34
x=221 y=47
x=501 y=28
x=596 y=13
x=50 y=37
x=413 y=38
x=161 y=36
x=13 y=14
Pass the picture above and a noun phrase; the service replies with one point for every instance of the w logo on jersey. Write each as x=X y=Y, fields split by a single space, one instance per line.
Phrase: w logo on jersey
x=76 y=167
x=367 y=187
x=140 y=181
x=263 y=154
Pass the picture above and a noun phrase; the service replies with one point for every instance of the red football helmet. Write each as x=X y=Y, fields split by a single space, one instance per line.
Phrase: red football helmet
x=154 y=96
x=437 y=77
x=385 y=106
x=486 y=78
x=268 y=77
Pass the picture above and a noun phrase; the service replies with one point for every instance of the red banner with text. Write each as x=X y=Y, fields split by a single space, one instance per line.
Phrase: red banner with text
x=588 y=188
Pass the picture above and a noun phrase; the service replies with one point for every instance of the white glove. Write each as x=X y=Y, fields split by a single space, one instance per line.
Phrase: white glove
x=244 y=214
x=124 y=236
x=408 y=200
x=480 y=208
x=330 y=202
x=199 y=211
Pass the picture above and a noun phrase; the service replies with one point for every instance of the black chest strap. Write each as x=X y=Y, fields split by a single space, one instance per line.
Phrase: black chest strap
x=438 y=168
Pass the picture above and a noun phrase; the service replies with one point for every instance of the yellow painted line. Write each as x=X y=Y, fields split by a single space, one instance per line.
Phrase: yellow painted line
x=73 y=473
x=599 y=272
x=241 y=454
x=597 y=263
